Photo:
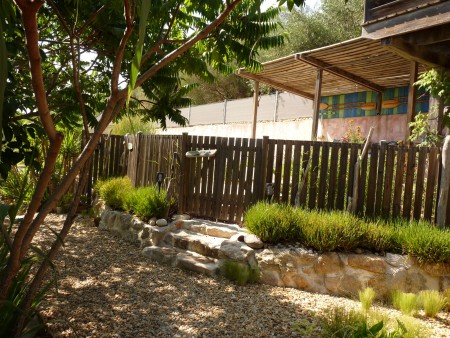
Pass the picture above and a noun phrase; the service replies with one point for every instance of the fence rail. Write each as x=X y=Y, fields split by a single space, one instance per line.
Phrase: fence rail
x=394 y=181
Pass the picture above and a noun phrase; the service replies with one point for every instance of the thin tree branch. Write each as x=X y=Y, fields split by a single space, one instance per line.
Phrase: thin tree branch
x=90 y=19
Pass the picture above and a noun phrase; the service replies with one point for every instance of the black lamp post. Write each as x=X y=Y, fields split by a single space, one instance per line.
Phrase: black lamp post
x=159 y=180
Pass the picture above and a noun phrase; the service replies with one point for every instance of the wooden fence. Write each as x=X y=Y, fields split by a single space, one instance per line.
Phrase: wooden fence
x=394 y=181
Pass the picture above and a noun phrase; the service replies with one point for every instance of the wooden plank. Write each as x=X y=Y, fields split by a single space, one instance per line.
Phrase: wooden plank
x=340 y=200
x=198 y=177
x=362 y=185
x=258 y=183
x=354 y=149
x=387 y=191
x=380 y=177
x=305 y=160
x=210 y=185
x=316 y=104
x=219 y=175
x=431 y=183
x=278 y=171
x=409 y=179
x=270 y=161
x=398 y=185
x=110 y=149
x=334 y=161
x=228 y=173
x=101 y=159
x=295 y=171
x=371 y=185
x=323 y=177
x=250 y=174
x=241 y=184
x=235 y=180
x=204 y=178
x=314 y=174
x=417 y=211
x=191 y=178
x=287 y=172
x=94 y=165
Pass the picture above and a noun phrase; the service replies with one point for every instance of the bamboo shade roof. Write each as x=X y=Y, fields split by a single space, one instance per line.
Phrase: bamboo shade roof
x=351 y=66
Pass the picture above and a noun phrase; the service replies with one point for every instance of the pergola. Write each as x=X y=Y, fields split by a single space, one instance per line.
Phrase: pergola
x=351 y=66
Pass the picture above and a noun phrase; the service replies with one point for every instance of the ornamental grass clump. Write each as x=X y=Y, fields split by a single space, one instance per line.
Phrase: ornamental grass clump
x=271 y=222
x=366 y=297
x=147 y=202
x=425 y=242
x=432 y=302
x=114 y=191
x=407 y=303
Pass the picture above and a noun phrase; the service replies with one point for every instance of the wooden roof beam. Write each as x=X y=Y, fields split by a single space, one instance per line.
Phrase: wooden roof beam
x=338 y=72
x=428 y=36
x=275 y=84
x=421 y=54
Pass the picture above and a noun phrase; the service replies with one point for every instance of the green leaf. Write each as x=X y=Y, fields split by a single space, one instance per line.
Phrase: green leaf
x=376 y=328
x=136 y=64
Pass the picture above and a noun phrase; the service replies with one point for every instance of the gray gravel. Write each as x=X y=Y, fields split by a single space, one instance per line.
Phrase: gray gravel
x=107 y=289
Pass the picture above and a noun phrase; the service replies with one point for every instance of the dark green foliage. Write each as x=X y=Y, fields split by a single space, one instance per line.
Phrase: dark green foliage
x=114 y=191
x=240 y=273
x=147 y=202
x=342 y=231
x=271 y=222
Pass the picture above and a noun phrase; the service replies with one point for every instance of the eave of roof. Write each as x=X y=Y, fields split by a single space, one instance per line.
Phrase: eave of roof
x=351 y=66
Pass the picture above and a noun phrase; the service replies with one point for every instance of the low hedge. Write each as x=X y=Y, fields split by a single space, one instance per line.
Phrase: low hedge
x=341 y=231
x=144 y=202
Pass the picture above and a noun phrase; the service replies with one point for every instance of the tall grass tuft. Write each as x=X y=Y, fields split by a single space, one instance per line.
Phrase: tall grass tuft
x=407 y=303
x=366 y=297
x=147 y=202
x=114 y=191
x=240 y=273
x=432 y=302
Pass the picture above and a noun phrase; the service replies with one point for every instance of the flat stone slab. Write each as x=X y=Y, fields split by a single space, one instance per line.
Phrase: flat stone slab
x=187 y=240
x=214 y=229
x=182 y=259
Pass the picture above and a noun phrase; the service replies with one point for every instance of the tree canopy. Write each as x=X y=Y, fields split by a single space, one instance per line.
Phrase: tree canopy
x=47 y=85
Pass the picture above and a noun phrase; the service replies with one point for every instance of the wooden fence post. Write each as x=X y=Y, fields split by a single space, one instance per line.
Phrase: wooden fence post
x=441 y=214
x=184 y=174
x=139 y=137
x=265 y=154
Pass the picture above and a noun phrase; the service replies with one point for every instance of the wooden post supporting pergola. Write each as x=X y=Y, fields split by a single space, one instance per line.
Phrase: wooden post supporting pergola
x=316 y=104
x=255 y=108
x=412 y=98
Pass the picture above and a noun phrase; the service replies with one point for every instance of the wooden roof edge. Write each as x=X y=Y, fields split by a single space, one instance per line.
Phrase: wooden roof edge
x=338 y=72
x=256 y=77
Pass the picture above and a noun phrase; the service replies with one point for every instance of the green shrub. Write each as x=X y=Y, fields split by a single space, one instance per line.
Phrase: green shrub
x=432 y=302
x=366 y=297
x=239 y=273
x=147 y=202
x=271 y=222
x=341 y=231
x=331 y=231
x=447 y=297
x=407 y=303
x=114 y=191
x=425 y=242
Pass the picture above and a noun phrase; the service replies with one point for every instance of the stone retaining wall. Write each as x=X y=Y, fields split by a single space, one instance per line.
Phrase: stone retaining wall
x=330 y=273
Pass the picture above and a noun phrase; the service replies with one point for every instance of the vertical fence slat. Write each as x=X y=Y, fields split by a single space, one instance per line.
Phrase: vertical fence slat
x=362 y=186
x=295 y=171
x=380 y=178
x=287 y=172
x=204 y=178
x=398 y=186
x=210 y=184
x=241 y=183
x=409 y=180
x=417 y=211
x=278 y=170
x=314 y=174
x=250 y=172
x=371 y=185
x=334 y=161
x=431 y=183
x=354 y=149
x=306 y=158
x=234 y=179
x=387 y=191
x=259 y=180
x=323 y=177
x=340 y=200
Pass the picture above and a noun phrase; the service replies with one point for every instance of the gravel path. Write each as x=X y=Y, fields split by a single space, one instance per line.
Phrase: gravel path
x=107 y=289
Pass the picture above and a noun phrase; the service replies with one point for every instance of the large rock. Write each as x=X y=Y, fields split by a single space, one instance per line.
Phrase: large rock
x=328 y=263
x=253 y=241
x=237 y=251
x=367 y=262
x=161 y=222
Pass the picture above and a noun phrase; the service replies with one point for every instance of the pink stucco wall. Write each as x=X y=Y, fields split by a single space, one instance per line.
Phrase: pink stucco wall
x=387 y=127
